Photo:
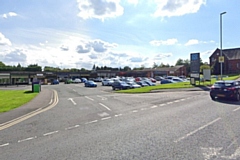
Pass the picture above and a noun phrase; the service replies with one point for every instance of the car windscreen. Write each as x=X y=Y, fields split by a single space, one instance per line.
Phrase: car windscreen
x=224 y=84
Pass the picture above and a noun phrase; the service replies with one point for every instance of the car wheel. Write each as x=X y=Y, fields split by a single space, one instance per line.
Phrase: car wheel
x=238 y=97
x=213 y=98
x=102 y=84
x=113 y=88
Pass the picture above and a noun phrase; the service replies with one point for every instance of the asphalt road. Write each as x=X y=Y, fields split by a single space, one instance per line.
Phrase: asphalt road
x=95 y=123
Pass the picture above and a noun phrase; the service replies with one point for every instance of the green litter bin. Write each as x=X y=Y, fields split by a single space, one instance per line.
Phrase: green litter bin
x=36 y=88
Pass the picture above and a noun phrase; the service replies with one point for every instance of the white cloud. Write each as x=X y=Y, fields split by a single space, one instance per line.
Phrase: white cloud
x=9 y=14
x=166 y=42
x=100 y=9
x=162 y=56
x=135 y=2
x=169 y=8
x=14 y=56
x=94 y=45
x=192 y=42
x=4 y=41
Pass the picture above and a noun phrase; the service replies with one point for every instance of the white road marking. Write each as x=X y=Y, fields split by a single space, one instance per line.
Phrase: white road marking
x=89 y=98
x=209 y=153
x=70 y=99
x=72 y=127
x=118 y=115
x=27 y=139
x=105 y=106
x=236 y=109
x=162 y=104
x=235 y=155
x=103 y=114
x=134 y=111
x=3 y=145
x=182 y=99
x=50 y=101
x=177 y=101
x=154 y=106
x=92 y=122
x=50 y=133
x=169 y=102
x=195 y=131
x=106 y=118
x=143 y=109
x=103 y=98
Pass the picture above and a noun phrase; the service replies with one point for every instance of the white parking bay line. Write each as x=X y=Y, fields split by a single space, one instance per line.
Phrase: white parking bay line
x=89 y=98
x=236 y=109
x=195 y=131
x=105 y=106
x=3 y=145
x=50 y=133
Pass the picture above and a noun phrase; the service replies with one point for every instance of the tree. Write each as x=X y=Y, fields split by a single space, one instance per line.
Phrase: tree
x=179 y=62
x=204 y=66
x=94 y=67
x=127 y=68
x=155 y=65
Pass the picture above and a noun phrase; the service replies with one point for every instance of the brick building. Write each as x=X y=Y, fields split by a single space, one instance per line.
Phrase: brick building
x=231 y=63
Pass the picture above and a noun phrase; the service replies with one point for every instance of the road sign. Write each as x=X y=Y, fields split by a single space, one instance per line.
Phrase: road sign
x=195 y=62
x=221 y=59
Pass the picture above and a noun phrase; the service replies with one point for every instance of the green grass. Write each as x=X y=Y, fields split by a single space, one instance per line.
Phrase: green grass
x=173 y=86
x=10 y=99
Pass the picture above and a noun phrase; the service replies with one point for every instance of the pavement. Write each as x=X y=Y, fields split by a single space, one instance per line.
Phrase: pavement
x=42 y=100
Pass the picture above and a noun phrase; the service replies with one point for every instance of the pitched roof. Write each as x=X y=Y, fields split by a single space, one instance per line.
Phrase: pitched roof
x=232 y=54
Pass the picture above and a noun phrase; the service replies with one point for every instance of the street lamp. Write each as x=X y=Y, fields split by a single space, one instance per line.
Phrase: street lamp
x=221 y=63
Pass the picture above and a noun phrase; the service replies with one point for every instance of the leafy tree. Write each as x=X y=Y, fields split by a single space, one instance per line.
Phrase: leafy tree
x=204 y=66
x=126 y=68
x=155 y=65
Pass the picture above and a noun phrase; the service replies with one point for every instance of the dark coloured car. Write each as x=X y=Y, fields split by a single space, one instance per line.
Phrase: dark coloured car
x=120 y=85
x=226 y=89
x=142 y=83
x=84 y=80
x=166 y=81
x=90 y=84
x=55 y=81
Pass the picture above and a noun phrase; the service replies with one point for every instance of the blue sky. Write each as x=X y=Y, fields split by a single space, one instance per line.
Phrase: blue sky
x=115 y=33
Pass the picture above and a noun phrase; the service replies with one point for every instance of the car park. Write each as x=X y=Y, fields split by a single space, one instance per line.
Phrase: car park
x=99 y=79
x=90 y=84
x=107 y=82
x=228 y=89
x=134 y=85
x=120 y=85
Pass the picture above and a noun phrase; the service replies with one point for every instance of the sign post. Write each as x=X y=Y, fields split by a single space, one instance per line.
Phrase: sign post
x=195 y=67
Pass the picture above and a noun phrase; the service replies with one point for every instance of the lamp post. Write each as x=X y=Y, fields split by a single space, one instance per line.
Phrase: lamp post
x=221 y=63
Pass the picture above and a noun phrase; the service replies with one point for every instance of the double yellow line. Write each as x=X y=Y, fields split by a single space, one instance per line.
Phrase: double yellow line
x=31 y=114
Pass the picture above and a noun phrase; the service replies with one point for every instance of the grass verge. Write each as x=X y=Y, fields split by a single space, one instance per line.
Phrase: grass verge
x=10 y=99
x=174 y=86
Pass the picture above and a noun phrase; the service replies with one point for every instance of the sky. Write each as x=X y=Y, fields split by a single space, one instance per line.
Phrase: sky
x=114 y=33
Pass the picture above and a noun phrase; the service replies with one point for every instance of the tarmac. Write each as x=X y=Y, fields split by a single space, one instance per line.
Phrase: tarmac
x=42 y=100
x=45 y=97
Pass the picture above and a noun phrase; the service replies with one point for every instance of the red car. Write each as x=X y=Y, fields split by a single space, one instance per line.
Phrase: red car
x=153 y=80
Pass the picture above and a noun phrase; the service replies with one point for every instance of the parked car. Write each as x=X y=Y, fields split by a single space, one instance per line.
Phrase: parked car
x=177 y=79
x=90 y=84
x=107 y=82
x=153 y=80
x=99 y=79
x=150 y=83
x=159 y=78
x=166 y=81
x=142 y=83
x=229 y=89
x=68 y=81
x=134 y=85
x=120 y=85
x=77 y=80
x=84 y=80
x=55 y=81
